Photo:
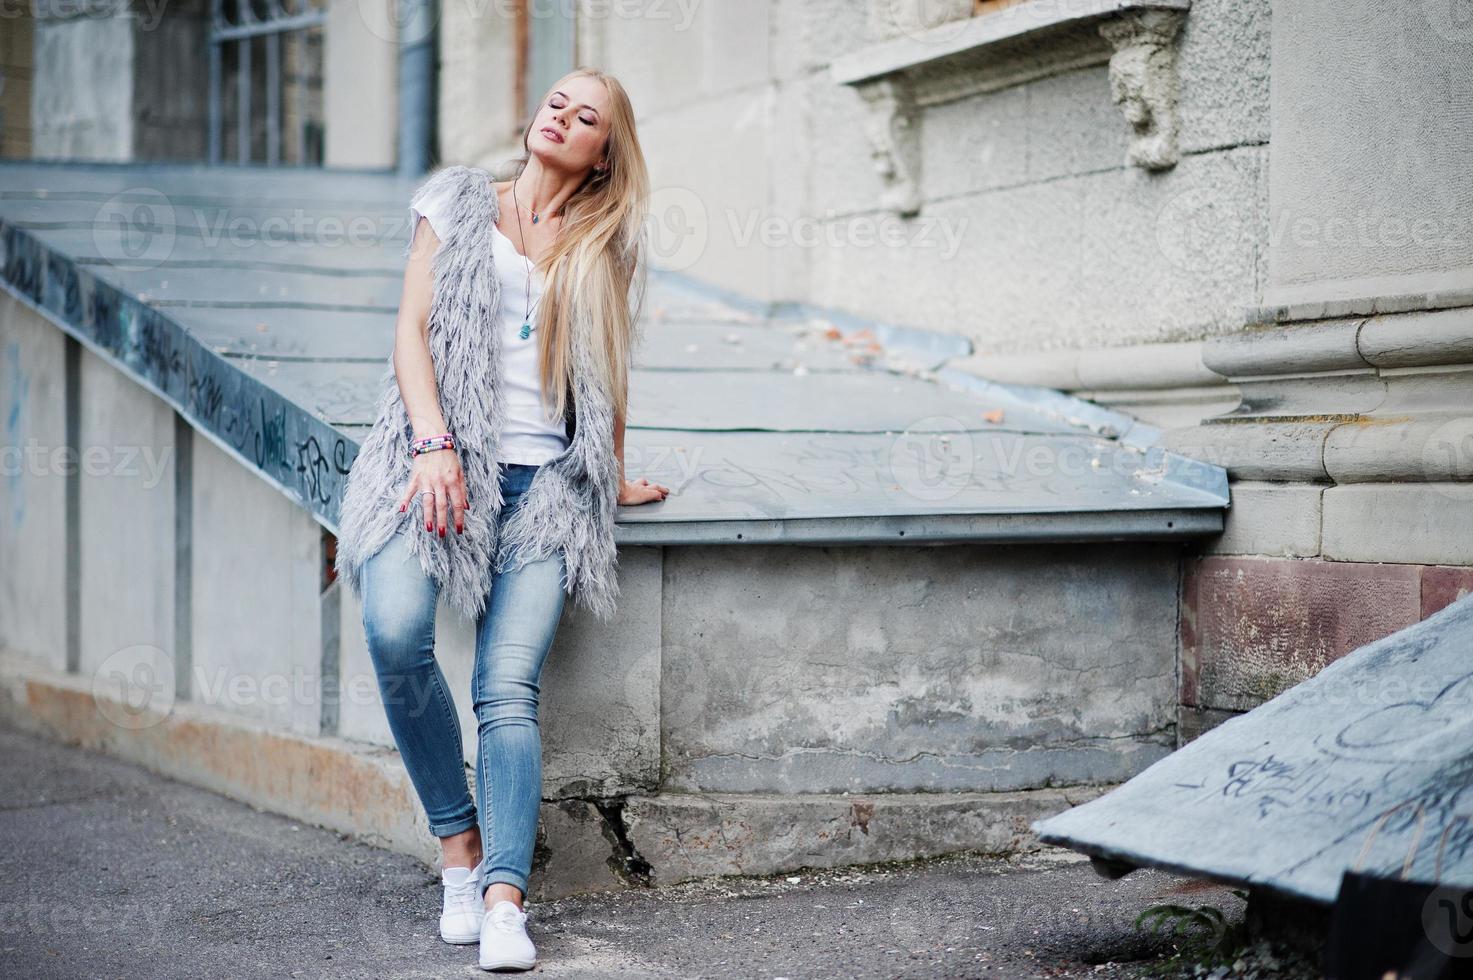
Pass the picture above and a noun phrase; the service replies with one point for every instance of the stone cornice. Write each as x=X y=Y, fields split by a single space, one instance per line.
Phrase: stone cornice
x=1031 y=39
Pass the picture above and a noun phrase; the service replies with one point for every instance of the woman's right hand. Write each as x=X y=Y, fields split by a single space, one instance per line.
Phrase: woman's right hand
x=438 y=471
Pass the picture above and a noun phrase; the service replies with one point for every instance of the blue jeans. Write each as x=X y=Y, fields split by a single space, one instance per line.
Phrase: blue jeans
x=513 y=638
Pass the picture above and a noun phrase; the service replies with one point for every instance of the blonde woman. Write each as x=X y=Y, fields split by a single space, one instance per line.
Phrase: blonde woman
x=493 y=473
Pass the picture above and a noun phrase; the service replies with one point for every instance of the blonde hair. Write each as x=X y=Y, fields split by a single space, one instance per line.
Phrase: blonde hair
x=596 y=266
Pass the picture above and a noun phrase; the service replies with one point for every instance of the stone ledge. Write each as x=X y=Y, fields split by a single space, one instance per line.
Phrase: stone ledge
x=1410 y=339
x=691 y=836
x=1175 y=364
x=351 y=787
x=958 y=37
x=1368 y=297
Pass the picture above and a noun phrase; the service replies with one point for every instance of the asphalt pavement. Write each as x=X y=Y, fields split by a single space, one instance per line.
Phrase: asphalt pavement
x=110 y=870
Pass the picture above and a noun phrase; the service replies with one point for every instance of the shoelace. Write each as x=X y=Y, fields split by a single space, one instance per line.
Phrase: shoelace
x=508 y=920
x=463 y=892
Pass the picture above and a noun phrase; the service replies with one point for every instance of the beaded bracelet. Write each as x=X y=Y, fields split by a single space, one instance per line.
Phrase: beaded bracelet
x=431 y=443
x=419 y=450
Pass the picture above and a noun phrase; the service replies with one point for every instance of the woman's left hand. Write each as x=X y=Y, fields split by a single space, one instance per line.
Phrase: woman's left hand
x=641 y=491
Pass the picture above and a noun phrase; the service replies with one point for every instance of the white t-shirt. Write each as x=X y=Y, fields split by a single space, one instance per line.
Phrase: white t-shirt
x=528 y=437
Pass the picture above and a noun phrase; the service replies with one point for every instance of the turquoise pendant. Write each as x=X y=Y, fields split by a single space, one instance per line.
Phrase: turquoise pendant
x=535 y=216
x=526 y=330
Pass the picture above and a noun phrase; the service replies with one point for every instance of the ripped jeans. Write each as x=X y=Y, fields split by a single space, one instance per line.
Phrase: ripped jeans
x=513 y=638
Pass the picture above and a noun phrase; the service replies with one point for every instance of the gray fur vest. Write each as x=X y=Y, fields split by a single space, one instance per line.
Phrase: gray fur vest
x=571 y=503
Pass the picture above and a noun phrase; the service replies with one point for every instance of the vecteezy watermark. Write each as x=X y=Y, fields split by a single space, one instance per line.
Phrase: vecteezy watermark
x=134 y=230
x=1451 y=19
x=139 y=923
x=680 y=13
x=967 y=911
x=238 y=689
x=934 y=21
x=289 y=228
x=1202 y=229
x=248 y=691
x=676 y=466
x=144 y=14
x=937 y=457
x=36 y=459
x=933 y=459
x=1427 y=696
x=707 y=682
x=857 y=231
x=138 y=229
x=678 y=228
x=403 y=22
x=134 y=687
x=388 y=918
x=1447 y=458
x=1365 y=230
x=1447 y=916
x=940 y=21
x=931 y=916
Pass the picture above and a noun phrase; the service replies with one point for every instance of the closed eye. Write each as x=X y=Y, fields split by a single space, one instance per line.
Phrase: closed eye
x=555 y=103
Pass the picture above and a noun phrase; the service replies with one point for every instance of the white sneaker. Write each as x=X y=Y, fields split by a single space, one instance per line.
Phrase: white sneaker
x=460 y=917
x=504 y=941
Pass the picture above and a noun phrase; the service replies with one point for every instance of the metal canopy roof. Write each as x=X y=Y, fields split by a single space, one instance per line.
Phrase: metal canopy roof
x=261 y=304
x=1367 y=764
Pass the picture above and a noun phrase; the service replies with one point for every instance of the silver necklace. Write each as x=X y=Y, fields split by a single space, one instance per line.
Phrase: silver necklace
x=527 y=325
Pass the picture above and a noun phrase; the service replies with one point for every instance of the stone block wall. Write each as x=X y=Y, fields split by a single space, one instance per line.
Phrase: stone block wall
x=1252 y=628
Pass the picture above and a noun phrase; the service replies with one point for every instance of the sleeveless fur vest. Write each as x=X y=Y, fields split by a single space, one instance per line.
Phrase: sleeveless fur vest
x=572 y=502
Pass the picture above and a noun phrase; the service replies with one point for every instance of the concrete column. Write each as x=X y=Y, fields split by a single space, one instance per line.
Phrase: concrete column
x=360 y=78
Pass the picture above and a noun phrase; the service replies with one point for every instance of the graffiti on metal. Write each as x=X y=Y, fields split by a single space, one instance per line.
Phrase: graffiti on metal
x=1368 y=765
x=302 y=455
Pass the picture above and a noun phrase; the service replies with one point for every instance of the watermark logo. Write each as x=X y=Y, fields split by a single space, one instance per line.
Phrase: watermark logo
x=679 y=228
x=933 y=21
x=1447 y=458
x=1447 y=920
x=399 y=21
x=134 y=687
x=928 y=917
x=390 y=917
x=134 y=230
x=1451 y=19
x=934 y=458
x=1198 y=230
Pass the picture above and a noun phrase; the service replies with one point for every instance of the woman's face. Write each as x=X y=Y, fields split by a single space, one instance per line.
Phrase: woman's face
x=572 y=125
